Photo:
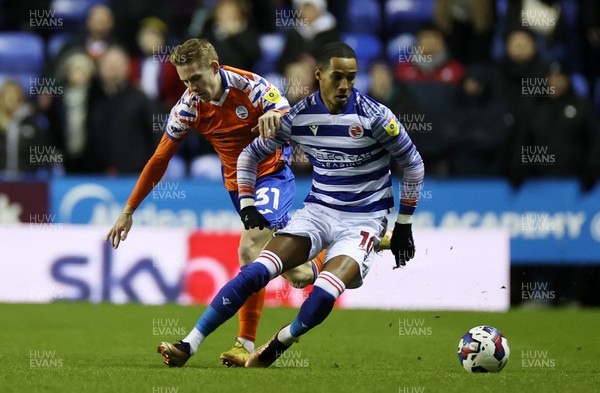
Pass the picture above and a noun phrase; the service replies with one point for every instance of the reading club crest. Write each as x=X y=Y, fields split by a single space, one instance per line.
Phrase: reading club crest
x=241 y=112
x=356 y=131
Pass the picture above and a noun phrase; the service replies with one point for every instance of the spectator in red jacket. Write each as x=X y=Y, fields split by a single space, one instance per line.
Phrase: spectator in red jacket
x=429 y=60
x=151 y=70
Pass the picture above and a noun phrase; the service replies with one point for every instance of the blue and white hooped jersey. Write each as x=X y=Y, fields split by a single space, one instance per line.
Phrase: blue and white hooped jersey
x=350 y=153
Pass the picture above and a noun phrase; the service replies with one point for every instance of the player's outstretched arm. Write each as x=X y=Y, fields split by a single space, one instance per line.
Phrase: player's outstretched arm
x=393 y=137
x=150 y=176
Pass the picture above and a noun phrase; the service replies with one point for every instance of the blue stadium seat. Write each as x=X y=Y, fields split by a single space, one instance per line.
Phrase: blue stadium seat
x=597 y=97
x=398 y=46
x=501 y=9
x=271 y=46
x=362 y=81
x=580 y=85
x=569 y=10
x=367 y=47
x=21 y=52
x=364 y=16
x=405 y=16
x=56 y=43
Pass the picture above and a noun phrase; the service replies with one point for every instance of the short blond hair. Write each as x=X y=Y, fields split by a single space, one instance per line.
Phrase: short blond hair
x=194 y=50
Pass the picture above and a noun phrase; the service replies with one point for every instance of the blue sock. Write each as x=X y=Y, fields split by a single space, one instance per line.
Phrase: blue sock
x=232 y=296
x=314 y=310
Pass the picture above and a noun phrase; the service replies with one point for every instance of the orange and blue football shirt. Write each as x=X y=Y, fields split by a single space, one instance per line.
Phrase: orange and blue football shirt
x=226 y=124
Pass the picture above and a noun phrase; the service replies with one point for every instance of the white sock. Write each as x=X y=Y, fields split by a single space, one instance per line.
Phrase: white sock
x=285 y=336
x=195 y=338
x=249 y=345
x=271 y=261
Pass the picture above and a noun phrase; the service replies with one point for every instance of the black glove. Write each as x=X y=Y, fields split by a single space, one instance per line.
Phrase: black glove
x=402 y=244
x=252 y=218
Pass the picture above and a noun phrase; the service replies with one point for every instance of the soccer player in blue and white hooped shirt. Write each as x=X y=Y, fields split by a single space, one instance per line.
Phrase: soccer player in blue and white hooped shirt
x=349 y=139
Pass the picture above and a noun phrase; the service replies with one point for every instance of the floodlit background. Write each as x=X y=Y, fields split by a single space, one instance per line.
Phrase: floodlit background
x=502 y=99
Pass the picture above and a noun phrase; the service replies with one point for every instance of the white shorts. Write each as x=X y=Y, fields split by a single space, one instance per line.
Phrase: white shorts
x=354 y=237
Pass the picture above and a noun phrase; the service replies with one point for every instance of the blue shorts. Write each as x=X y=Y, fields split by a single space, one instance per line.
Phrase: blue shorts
x=273 y=196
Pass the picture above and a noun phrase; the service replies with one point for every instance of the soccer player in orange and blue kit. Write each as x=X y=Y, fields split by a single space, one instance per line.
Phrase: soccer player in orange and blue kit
x=227 y=106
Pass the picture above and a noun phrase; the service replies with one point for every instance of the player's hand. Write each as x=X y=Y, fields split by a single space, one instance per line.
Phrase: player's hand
x=402 y=244
x=120 y=230
x=252 y=218
x=268 y=124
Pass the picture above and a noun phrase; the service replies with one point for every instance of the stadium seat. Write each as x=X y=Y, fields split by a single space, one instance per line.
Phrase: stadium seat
x=364 y=16
x=501 y=9
x=397 y=46
x=56 y=43
x=21 y=52
x=569 y=10
x=580 y=85
x=176 y=170
x=363 y=81
x=597 y=97
x=206 y=167
x=271 y=46
x=367 y=47
x=275 y=78
x=405 y=16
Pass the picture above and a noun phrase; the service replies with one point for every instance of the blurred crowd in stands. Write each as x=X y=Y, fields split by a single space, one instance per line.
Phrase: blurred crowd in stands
x=485 y=88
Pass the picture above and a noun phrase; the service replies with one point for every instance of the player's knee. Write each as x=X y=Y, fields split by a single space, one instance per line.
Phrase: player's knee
x=250 y=246
x=300 y=277
x=245 y=254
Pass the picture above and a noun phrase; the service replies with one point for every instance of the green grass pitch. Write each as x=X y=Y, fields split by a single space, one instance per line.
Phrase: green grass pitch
x=77 y=347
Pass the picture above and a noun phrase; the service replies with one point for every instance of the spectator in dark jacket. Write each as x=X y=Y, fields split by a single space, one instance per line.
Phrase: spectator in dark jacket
x=232 y=35
x=480 y=127
x=68 y=111
x=433 y=80
x=24 y=143
x=98 y=34
x=119 y=119
x=313 y=28
x=562 y=136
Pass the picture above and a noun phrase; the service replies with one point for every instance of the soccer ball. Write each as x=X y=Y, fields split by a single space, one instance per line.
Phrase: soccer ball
x=483 y=349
